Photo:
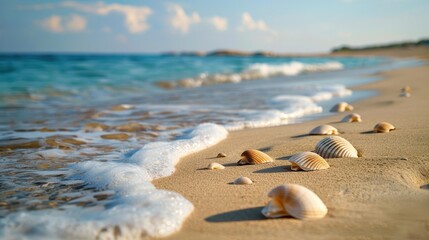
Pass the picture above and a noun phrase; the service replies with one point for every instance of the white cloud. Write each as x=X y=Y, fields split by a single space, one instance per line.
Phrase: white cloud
x=73 y=23
x=249 y=24
x=219 y=23
x=179 y=20
x=76 y=23
x=135 y=16
x=52 y=24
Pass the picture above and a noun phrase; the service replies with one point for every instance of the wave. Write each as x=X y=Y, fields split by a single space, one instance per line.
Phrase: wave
x=137 y=209
x=253 y=72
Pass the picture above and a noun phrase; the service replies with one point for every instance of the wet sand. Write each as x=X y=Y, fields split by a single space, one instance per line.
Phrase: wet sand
x=382 y=195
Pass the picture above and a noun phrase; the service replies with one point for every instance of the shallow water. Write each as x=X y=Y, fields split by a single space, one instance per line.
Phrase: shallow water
x=82 y=137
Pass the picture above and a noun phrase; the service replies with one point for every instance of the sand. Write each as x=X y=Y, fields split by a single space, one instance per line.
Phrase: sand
x=381 y=195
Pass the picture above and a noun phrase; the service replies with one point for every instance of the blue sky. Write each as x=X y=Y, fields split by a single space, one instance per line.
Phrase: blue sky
x=298 y=26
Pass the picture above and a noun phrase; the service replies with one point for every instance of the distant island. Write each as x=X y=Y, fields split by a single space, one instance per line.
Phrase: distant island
x=345 y=48
x=342 y=49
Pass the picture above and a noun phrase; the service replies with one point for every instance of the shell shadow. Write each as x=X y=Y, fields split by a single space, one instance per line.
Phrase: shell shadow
x=247 y=214
x=300 y=136
x=368 y=132
x=284 y=158
x=276 y=169
x=425 y=186
x=265 y=149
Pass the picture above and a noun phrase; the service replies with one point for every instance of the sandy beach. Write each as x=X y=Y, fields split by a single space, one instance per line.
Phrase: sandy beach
x=381 y=195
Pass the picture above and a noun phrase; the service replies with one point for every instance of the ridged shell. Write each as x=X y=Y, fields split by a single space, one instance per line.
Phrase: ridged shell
x=354 y=117
x=242 y=181
x=253 y=156
x=324 y=130
x=308 y=161
x=296 y=201
x=341 y=107
x=383 y=127
x=336 y=147
x=215 y=166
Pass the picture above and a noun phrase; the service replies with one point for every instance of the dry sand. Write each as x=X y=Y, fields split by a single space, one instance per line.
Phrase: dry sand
x=377 y=196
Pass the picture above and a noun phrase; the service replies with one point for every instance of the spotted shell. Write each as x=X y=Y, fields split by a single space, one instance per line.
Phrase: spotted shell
x=383 y=127
x=242 y=181
x=215 y=166
x=341 y=107
x=324 y=130
x=354 y=117
x=296 y=201
x=336 y=147
x=308 y=161
x=253 y=156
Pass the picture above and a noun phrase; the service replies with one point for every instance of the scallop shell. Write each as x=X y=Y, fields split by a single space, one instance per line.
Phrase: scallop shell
x=253 y=156
x=406 y=89
x=354 y=117
x=383 y=127
x=215 y=166
x=296 y=201
x=341 y=107
x=308 y=161
x=324 y=130
x=336 y=147
x=242 y=181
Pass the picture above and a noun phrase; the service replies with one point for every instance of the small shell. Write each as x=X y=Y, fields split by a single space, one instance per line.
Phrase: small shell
x=336 y=147
x=242 y=181
x=253 y=156
x=215 y=166
x=308 y=161
x=383 y=127
x=341 y=107
x=296 y=201
x=324 y=130
x=405 y=94
x=221 y=155
x=354 y=117
x=406 y=89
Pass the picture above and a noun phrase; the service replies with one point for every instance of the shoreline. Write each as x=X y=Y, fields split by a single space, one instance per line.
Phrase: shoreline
x=225 y=211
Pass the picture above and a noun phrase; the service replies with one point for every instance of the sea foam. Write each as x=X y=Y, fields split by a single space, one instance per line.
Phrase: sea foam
x=136 y=209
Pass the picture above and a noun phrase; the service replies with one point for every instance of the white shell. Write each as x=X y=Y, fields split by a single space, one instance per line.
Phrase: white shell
x=308 y=161
x=296 y=201
x=324 y=130
x=336 y=147
x=341 y=107
x=215 y=166
x=383 y=127
x=242 y=181
x=354 y=117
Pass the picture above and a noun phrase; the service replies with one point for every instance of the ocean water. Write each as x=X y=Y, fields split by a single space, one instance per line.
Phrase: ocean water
x=83 y=136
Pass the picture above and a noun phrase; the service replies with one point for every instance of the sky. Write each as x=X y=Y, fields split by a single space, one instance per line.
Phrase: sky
x=151 y=26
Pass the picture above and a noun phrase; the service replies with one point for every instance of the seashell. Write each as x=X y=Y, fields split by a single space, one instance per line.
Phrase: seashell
x=354 y=117
x=296 y=201
x=324 y=130
x=215 y=166
x=341 y=107
x=221 y=155
x=308 y=161
x=405 y=94
x=242 y=181
x=383 y=127
x=406 y=89
x=253 y=156
x=336 y=147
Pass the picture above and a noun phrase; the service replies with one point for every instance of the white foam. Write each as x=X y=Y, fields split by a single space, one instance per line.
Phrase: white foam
x=137 y=208
x=255 y=71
